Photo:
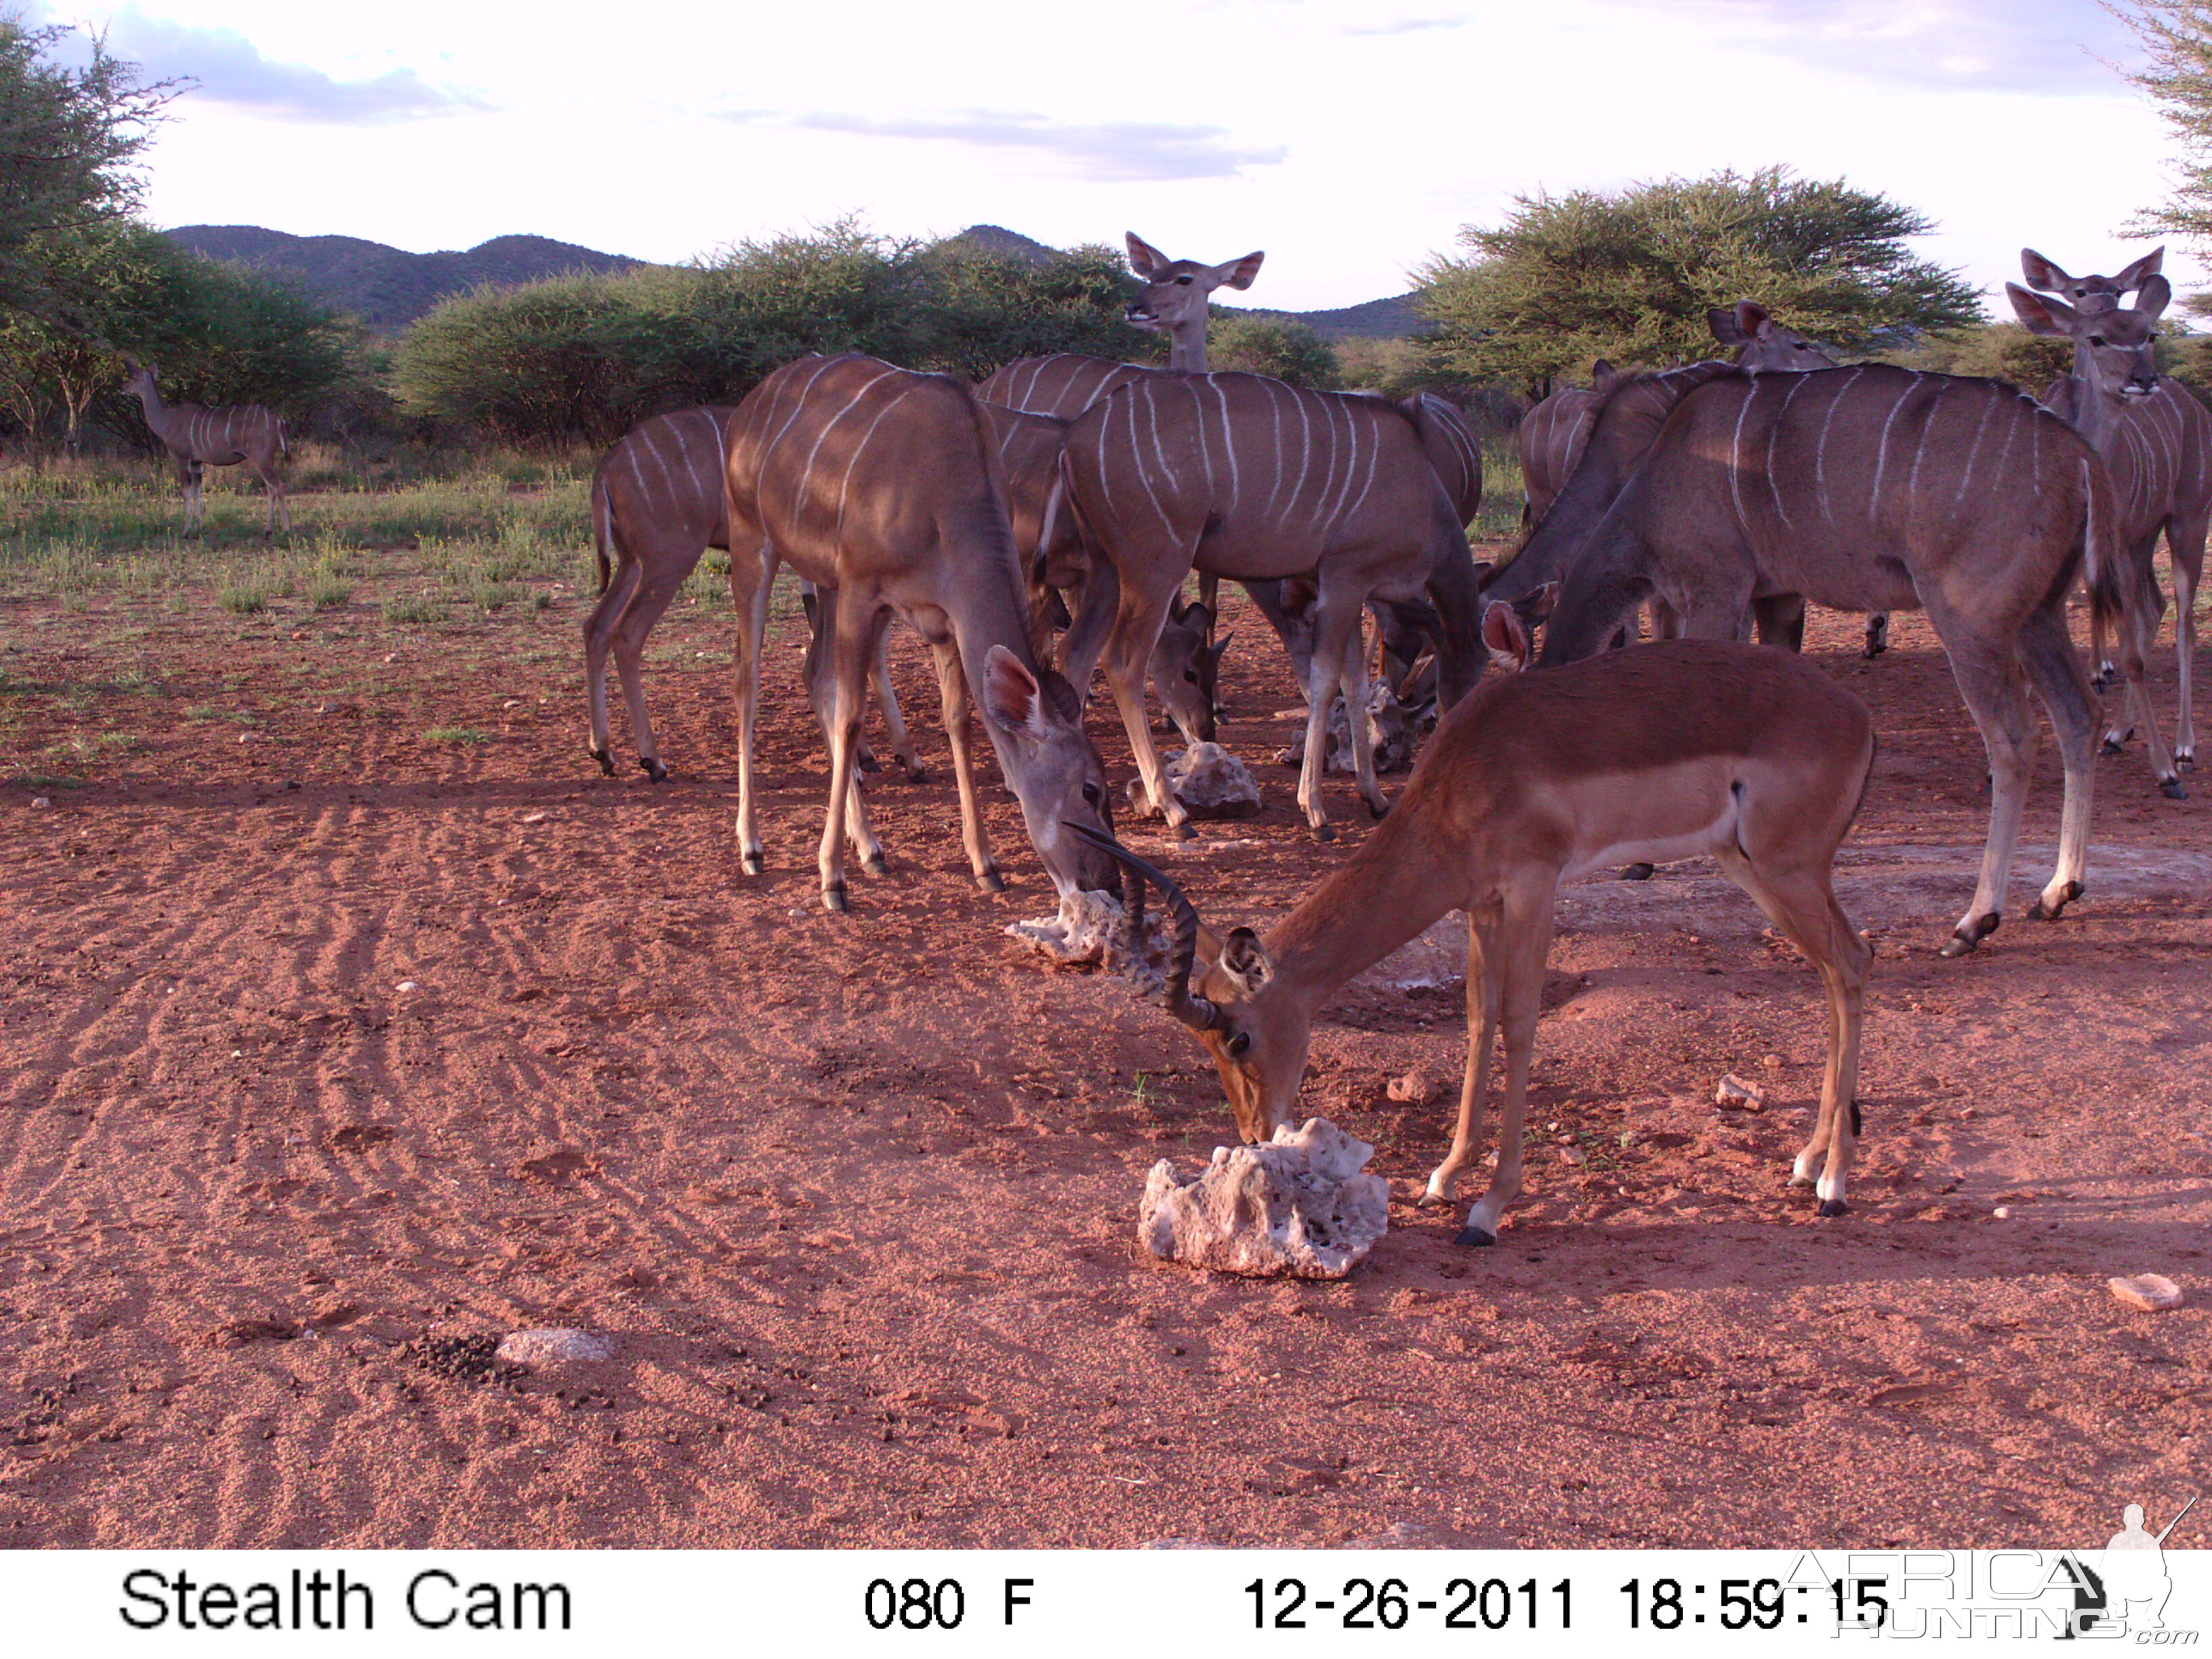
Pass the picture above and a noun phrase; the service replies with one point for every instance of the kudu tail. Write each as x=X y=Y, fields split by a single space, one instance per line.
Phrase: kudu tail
x=2113 y=597
x=1101 y=594
x=603 y=532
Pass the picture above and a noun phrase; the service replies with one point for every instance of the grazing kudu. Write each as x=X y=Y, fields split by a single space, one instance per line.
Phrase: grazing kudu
x=1243 y=476
x=1867 y=488
x=1745 y=754
x=2156 y=441
x=883 y=487
x=198 y=437
x=657 y=505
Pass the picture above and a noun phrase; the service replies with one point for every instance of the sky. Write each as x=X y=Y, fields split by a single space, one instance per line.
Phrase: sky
x=1350 y=139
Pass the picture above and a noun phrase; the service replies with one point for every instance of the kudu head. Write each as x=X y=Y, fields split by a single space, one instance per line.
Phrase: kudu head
x=138 y=378
x=1175 y=295
x=2090 y=293
x=1761 y=343
x=1037 y=726
x=1258 y=1040
x=2115 y=351
x=1187 y=672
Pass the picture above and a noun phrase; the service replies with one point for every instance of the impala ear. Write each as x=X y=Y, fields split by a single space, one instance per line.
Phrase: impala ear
x=1505 y=633
x=1011 y=694
x=1243 y=961
x=1239 y=273
x=2144 y=269
x=1145 y=259
x=2041 y=273
x=1603 y=375
x=2157 y=295
x=2039 y=314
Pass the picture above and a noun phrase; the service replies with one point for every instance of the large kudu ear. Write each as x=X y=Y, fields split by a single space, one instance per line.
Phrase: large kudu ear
x=2039 y=314
x=1238 y=273
x=2157 y=293
x=1505 y=633
x=1012 y=696
x=1145 y=259
x=2041 y=273
x=1219 y=648
x=2141 y=271
x=1602 y=376
x=1727 y=325
x=1244 y=962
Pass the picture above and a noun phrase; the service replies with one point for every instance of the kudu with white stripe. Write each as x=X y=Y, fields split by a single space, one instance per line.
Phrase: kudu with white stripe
x=884 y=489
x=1245 y=477
x=197 y=436
x=1745 y=754
x=2156 y=439
x=1867 y=488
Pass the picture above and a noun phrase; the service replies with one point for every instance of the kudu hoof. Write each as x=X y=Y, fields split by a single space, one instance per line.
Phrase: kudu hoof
x=653 y=769
x=1378 y=813
x=1636 y=872
x=868 y=762
x=1184 y=832
x=1832 y=1207
x=2172 y=789
x=1874 y=648
x=1962 y=941
x=833 y=900
x=1324 y=833
x=2186 y=762
x=2109 y=746
x=990 y=882
x=1474 y=1238
x=606 y=762
x=2047 y=912
x=875 y=866
x=916 y=773
x=752 y=863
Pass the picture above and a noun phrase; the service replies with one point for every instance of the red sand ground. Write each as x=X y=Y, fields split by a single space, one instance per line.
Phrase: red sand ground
x=856 y=1194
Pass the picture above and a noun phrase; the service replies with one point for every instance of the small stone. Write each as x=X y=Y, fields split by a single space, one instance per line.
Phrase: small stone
x=2152 y=1292
x=406 y=985
x=249 y=737
x=516 y=703
x=1572 y=1156
x=1414 y=1089
x=1771 y=1062
x=542 y=1349
x=326 y=707
x=394 y=657
x=42 y=800
x=536 y=817
x=1303 y=1205
x=2002 y=1213
x=1734 y=1094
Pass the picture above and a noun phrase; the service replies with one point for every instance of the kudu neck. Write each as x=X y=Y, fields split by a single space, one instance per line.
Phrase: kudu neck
x=1186 y=346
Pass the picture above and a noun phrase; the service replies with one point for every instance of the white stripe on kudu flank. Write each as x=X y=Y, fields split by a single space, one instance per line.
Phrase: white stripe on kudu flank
x=1773 y=431
x=845 y=485
x=1745 y=397
x=1367 y=483
x=1275 y=417
x=1228 y=441
x=1129 y=396
x=1881 y=451
x=1927 y=426
x=1198 y=429
x=1973 y=449
x=1820 y=449
x=807 y=472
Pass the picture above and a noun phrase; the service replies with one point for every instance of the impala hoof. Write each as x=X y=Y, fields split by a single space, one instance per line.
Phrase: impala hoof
x=1636 y=872
x=2172 y=789
x=2048 y=911
x=653 y=769
x=1474 y=1238
x=875 y=866
x=990 y=882
x=606 y=762
x=833 y=900
x=1832 y=1207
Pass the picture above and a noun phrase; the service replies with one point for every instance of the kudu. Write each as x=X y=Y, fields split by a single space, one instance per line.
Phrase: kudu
x=198 y=437
x=1243 y=476
x=1867 y=488
x=884 y=489
x=2155 y=437
x=1745 y=754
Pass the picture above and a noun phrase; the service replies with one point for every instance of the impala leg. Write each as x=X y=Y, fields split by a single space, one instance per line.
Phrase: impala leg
x=649 y=598
x=2047 y=653
x=1525 y=941
x=1988 y=679
x=1484 y=964
x=879 y=670
x=752 y=572
x=599 y=639
x=952 y=689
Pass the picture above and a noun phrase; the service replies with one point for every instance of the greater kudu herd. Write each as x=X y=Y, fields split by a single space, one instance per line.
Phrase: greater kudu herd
x=1725 y=490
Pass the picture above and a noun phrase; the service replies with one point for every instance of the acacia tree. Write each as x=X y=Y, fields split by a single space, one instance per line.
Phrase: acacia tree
x=1630 y=275
x=2175 y=36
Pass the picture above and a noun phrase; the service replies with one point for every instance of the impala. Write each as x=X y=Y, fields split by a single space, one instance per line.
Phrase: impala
x=1743 y=753
x=197 y=436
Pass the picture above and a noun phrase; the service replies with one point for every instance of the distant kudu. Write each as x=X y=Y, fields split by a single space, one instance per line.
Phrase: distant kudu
x=1868 y=488
x=884 y=489
x=198 y=437
x=1246 y=477
x=2155 y=438
x=1749 y=755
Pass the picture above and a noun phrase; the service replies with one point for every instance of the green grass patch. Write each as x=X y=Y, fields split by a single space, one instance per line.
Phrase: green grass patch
x=455 y=734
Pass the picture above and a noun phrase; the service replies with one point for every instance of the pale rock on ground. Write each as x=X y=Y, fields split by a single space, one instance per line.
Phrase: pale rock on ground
x=2151 y=1292
x=1301 y=1205
x=1209 y=781
x=1092 y=930
x=545 y=1349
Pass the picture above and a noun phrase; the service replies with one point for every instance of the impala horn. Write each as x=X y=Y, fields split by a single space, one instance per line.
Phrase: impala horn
x=1195 y=1011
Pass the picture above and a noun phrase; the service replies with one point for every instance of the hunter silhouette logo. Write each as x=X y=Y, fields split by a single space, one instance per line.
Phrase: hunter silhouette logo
x=2127 y=1590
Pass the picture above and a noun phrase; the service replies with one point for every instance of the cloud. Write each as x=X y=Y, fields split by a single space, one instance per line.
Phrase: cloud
x=2045 y=46
x=1109 y=151
x=231 y=70
x=1405 y=25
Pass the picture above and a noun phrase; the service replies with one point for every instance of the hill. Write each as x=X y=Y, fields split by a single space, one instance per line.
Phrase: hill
x=388 y=287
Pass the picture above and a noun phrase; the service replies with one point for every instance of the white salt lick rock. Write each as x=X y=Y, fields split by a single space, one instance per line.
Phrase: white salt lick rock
x=1302 y=1206
x=2151 y=1292
x=540 y=1350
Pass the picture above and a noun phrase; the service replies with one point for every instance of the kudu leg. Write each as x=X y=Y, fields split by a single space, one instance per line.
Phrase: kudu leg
x=841 y=691
x=2046 y=651
x=1336 y=663
x=752 y=572
x=1988 y=679
x=598 y=640
x=649 y=598
x=1877 y=633
x=1127 y=664
x=1354 y=683
x=879 y=671
x=2137 y=628
x=2187 y=572
x=953 y=691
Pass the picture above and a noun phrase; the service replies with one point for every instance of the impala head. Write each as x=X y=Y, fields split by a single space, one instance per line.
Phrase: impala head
x=1035 y=725
x=1761 y=342
x=1187 y=670
x=1258 y=1041
x=2114 y=350
x=1176 y=290
x=2090 y=293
